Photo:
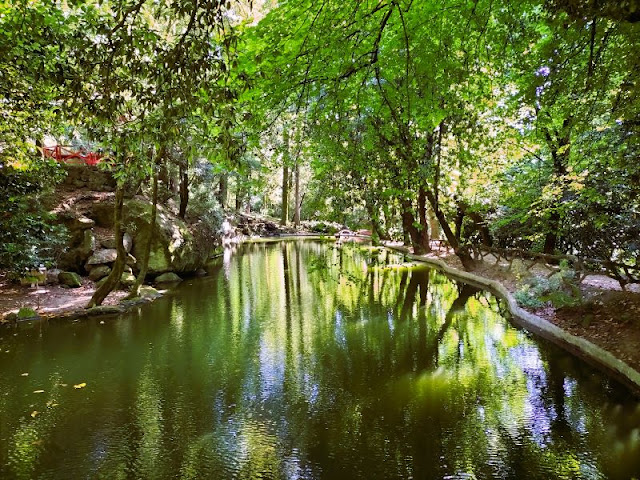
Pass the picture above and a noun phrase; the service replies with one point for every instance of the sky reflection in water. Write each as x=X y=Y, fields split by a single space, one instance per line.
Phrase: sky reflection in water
x=308 y=360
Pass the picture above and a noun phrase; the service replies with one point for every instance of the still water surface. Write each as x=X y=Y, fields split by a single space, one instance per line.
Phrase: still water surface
x=307 y=360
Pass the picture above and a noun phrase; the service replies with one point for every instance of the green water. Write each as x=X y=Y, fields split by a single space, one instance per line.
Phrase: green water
x=304 y=360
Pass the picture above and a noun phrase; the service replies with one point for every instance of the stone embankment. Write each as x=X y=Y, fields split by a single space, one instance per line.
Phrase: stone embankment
x=579 y=346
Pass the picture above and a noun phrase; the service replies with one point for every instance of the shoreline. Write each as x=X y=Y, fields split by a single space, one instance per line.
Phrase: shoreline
x=578 y=346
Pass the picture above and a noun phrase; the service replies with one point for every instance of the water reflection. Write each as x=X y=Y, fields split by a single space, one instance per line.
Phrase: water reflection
x=309 y=360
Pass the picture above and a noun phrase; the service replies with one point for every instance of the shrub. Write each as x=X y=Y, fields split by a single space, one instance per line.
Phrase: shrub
x=561 y=290
x=29 y=236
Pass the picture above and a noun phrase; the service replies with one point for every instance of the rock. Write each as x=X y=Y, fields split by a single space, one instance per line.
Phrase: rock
x=102 y=213
x=81 y=223
x=127 y=241
x=11 y=317
x=51 y=276
x=82 y=245
x=201 y=272
x=100 y=257
x=147 y=291
x=128 y=269
x=127 y=279
x=105 y=310
x=99 y=272
x=109 y=241
x=173 y=248
x=87 y=244
x=27 y=312
x=72 y=259
x=168 y=277
x=70 y=279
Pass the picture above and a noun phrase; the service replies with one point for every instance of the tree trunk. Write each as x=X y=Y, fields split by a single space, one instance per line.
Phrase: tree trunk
x=239 y=194
x=285 y=195
x=483 y=228
x=223 y=190
x=296 y=212
x=462 y=253
x=424 y=225
x=408 y=225
x=459 y=221
x=184 y=190
x=113 y=279
x=434 y=226
x=144 y=261
x=560 y=152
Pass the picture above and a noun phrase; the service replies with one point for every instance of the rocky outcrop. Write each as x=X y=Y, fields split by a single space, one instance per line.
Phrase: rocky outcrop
x=174 y=247
x=82 y=241
x=89 y=219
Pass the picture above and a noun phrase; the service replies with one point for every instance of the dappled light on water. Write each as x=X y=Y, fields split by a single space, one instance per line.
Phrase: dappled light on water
x=308 y=360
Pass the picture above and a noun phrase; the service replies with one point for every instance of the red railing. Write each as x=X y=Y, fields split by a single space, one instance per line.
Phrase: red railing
x=67 y=155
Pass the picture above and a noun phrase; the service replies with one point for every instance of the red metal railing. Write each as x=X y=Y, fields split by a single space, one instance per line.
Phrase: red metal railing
x=67 y=155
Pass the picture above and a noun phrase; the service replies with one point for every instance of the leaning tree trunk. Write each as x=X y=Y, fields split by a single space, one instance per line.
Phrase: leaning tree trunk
x=462 y=253
x=144 y=261
x=113 y=279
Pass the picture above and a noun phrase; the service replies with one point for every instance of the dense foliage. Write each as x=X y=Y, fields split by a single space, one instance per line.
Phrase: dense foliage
x=513 y=124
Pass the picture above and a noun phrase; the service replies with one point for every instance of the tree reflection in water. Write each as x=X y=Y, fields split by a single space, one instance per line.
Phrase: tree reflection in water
x=309 y=360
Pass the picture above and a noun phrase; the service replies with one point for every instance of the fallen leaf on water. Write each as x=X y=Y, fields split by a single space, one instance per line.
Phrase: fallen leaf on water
x=80 y=385
x=51 y=403
x=62 y=384
x=34 y=413
x=24 y=374
x=38 y=391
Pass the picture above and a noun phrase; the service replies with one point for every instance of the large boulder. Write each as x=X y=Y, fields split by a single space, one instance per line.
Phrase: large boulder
x=173 y=248
x=80 y=223
x=99 y=272
x=101 y=257
x=127 y=279
x=168 y=277
x=70 y=279
x=110 y=242
x=82 y=246
x=52 y=276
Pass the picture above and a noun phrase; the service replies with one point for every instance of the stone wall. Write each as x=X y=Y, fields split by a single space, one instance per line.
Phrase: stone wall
x=88 y=177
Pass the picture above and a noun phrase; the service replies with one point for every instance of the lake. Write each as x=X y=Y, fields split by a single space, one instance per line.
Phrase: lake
x=308 y=360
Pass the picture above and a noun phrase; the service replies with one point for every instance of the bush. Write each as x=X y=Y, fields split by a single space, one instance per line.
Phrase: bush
x=560 y=290
x=28 y=235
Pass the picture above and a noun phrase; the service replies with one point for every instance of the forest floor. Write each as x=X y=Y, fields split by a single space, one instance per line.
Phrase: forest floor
x=608 y=316
x=49 y=299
